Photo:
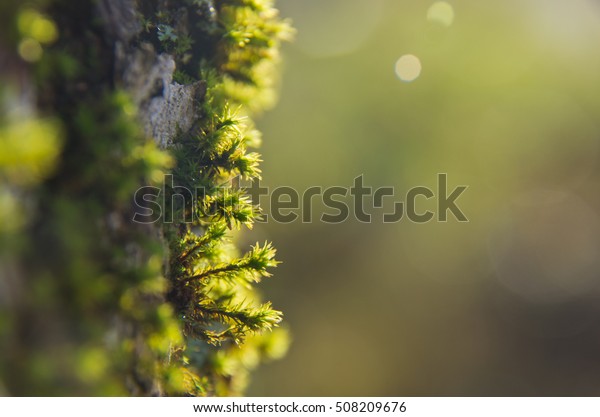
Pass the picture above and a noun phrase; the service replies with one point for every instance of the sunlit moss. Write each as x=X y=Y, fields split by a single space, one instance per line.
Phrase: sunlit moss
x=212 y=285
x=121 y=325
x=92 y=364
x=28 y=149
x=30 y=50
x=33 y=24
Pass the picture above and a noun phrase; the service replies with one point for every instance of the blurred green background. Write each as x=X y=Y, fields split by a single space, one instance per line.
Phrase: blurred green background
x=507 y=102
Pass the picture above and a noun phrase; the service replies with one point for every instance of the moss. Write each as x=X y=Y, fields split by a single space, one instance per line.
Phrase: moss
x=211 y=287
x=100 y=305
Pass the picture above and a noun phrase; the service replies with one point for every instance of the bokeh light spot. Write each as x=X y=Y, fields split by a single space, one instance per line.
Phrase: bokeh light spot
x=34 y=25
x=442 y=13
x=408 y=68
x=30 y=50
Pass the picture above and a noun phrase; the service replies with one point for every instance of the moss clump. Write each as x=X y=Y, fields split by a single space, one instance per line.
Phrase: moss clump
x=211 y=285
x=93 y=303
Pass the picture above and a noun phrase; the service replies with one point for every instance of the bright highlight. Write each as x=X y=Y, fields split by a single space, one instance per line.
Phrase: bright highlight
x=408 y=68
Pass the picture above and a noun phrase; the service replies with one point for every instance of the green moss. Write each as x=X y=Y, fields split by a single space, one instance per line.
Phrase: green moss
x=211 y=287
x=107 y=306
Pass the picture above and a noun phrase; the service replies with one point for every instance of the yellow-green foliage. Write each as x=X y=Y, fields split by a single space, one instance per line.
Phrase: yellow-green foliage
x=228 y=328
x=251 y=51
x=95 y=304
